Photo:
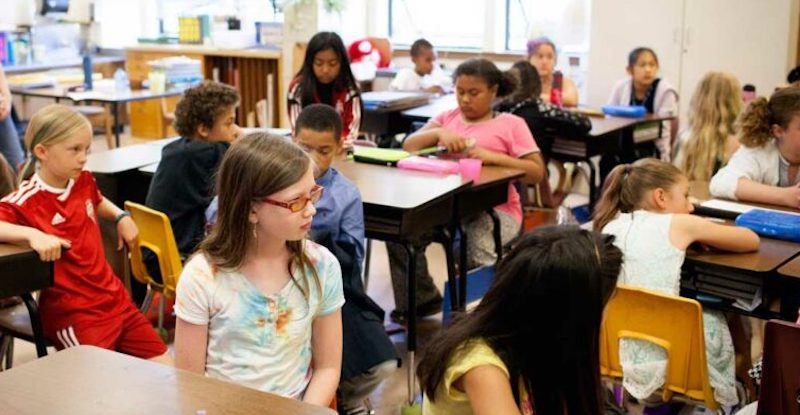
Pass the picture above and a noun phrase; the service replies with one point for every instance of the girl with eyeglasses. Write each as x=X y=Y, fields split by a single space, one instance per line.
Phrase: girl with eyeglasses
x=259 y=304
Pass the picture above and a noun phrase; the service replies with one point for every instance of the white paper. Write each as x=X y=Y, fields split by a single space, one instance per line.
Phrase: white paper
x=729 y=206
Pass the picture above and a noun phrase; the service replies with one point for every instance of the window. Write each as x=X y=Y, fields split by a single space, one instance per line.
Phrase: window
x=565 y=22
x=450 y=24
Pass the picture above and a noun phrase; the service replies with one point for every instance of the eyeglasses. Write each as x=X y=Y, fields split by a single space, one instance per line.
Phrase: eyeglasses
x=296 y=205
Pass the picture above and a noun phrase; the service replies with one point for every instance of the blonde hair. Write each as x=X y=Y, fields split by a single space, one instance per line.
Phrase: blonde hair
x=755 y=123
x=626 y=185
x=254 y=167
x=50 y=125
x=713 y=110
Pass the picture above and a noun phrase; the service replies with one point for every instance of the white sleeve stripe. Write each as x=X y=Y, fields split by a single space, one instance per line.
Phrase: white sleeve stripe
x=72 y=336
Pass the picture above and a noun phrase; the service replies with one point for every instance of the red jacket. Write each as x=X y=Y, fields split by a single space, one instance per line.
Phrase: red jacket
x=347 y=104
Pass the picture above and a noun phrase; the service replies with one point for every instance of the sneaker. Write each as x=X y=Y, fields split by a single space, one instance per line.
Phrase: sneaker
x=423 y=310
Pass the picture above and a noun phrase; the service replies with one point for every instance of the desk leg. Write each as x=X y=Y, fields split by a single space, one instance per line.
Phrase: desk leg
x=36 y=324
x=115 y=112
x=411 y=319
x=462 y=267
x=498 y=238
x=790 y=290
x=447 y=241
x=594 y=189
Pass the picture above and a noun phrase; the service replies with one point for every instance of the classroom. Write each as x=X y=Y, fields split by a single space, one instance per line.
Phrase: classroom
x=408 y=207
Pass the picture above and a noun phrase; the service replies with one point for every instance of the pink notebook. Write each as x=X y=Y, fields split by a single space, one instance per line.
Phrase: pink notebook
x=428 y=164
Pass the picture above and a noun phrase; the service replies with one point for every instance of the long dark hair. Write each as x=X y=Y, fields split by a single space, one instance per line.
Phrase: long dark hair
x=626 y=185
x=486 y=70
x=554 y=356
x=308 y=82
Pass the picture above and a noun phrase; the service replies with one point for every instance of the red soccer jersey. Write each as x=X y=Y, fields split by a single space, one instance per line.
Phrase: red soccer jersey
x=85 y=287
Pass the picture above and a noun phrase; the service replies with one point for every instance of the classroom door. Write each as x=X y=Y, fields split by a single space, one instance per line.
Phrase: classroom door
x=753 y=40
x=618 y=26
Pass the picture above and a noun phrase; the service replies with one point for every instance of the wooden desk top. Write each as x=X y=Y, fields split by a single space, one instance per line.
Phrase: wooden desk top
x=90 y=380
x=126 y=158
x=791 y=268
x=98 y=95
x=493 y=174
x=608 y=124
x=770 y=255
x=403 y=189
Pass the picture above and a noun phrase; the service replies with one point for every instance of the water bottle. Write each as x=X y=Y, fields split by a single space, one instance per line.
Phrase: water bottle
x=121 y=83
x=555 y=90
x=87 y=72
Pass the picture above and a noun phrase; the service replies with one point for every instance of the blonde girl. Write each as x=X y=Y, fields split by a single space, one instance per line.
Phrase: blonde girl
x=58 y=206
x=259 y=304
x=765 y=168
x=711 y=140
x=645 y=206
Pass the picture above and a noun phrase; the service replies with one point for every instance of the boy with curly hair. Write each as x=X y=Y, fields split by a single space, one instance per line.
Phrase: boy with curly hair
x=183 y=184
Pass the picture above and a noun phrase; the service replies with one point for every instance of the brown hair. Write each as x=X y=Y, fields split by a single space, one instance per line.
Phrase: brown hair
x=7 y=181
x=50 y=125
x=254 y=167
x=627 y=184
x=715 y=105
x=755 y=123
x=201 y=105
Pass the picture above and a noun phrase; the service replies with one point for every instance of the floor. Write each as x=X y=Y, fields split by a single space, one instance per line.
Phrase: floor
x=389 y=398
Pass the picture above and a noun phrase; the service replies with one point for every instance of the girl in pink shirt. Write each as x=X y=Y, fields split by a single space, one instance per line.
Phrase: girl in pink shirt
x=475 y=130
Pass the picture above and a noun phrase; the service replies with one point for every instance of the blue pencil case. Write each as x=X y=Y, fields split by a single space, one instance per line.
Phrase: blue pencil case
x=777 y=225
x=624 y=111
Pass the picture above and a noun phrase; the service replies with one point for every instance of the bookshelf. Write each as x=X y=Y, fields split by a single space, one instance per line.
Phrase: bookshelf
x=255 y=73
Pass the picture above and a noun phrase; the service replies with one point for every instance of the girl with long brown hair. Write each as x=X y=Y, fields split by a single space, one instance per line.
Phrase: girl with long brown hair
x=259 y=304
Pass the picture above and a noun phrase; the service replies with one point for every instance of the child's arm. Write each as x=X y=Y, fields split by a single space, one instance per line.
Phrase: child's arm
x=488 y=390
x=191 y=341
x=126 y=227
x=326 y=346
x=753 y=191
x=686 y=229
x=433 y=134
x=569 y=93
x=532 y=163
x=47 y=246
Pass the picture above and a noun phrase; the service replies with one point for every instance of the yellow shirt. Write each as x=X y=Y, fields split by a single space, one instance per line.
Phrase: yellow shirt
x=468 y=356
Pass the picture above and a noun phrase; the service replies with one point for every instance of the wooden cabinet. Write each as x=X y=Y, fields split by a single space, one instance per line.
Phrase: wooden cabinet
x=255 y=73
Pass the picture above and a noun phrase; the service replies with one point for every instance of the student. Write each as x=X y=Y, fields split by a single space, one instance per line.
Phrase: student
x=475 y=130
x=765 y=168
x=542 y=55
x=710 y=140
x=58 y=207
x=182 y=186
x=491 y=361
x=527 y=103
x=10 y=147
x=643 y=88
x=426 y=75
x=645 y=206
x=369 y=356
x=326 y=78
x=258 y=304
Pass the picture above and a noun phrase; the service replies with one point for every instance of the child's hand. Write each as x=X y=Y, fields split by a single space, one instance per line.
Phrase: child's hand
x=47 y=246
x=127 y=232
x=454 y=143
x=486 y=156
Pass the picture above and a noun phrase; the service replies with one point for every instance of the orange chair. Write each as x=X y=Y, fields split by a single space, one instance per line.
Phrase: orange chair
x=674 y=323
x=155 y=234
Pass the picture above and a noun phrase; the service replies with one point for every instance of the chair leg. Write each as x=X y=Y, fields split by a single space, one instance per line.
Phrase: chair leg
x=161 y=306
x=9 y=353
x=5 y=359
x=367 y=257
x=148 y=300
x=109 y=126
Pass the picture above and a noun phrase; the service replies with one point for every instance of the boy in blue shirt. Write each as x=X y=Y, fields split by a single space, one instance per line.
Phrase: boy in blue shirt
x=368 y=355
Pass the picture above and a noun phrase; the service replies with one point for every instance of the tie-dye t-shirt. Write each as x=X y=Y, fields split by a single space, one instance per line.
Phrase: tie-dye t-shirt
x=256 y=340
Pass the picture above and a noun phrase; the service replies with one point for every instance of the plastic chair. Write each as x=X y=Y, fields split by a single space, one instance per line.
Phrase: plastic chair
x=15 y=323
x=155 y=234
x=674 y=323
x=780 y=376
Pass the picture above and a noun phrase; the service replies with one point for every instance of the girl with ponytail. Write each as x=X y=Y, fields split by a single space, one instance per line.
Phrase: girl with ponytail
x=645 y=206
x=765 y=169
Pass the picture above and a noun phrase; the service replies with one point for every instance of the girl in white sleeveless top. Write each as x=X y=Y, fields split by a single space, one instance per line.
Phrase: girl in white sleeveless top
x=645 y=206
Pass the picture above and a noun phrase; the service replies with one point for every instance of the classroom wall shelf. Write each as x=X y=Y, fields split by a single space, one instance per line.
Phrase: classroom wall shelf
x=255 y=73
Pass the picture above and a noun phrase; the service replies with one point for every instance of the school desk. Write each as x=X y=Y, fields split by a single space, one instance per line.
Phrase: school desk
x=22 y=273
x=437 y=106
x=791 y=277
x=89 y=380
x=400 y=206
x=102 y=96
x=75 y=62
x=382 y=111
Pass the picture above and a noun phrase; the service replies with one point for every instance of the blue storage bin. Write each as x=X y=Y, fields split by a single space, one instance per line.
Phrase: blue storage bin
x=776 y=225
x=624 y=111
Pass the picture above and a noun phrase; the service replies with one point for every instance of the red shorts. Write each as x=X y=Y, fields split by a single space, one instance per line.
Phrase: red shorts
x=128 y=332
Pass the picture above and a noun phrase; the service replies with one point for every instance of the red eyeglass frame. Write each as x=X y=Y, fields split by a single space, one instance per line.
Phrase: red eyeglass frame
x=316 y=192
